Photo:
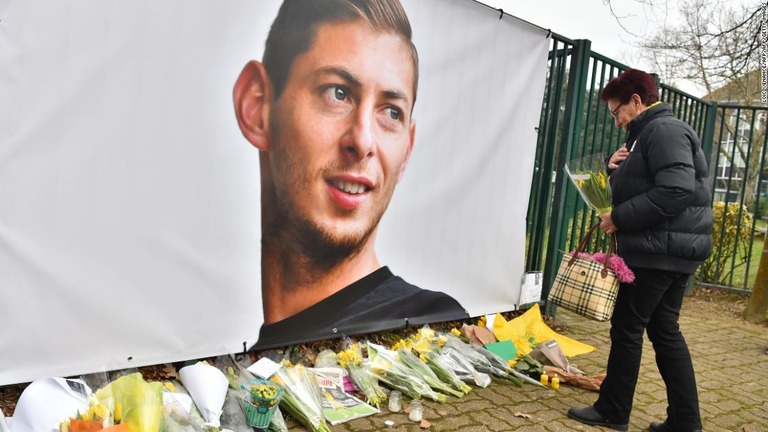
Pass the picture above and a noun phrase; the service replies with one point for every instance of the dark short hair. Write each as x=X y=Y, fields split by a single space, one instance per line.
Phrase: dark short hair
x=295 y=28
x=631 y=81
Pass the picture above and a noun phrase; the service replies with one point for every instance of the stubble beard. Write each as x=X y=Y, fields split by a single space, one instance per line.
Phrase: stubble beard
x=311 y=246
x=298 y=239
x=324 y=250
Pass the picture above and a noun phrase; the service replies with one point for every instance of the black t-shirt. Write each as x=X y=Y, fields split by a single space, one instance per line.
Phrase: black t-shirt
x=380 y=301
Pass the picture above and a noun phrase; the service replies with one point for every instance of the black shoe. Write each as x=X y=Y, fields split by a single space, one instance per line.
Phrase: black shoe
x=664 y=427
x=589 y=415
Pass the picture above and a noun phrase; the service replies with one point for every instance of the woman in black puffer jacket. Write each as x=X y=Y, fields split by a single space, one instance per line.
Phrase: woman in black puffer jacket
x=662 y=218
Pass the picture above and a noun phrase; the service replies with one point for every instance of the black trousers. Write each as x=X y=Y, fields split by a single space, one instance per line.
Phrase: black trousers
x=651 y=303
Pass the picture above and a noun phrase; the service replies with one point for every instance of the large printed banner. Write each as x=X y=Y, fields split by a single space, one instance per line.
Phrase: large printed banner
x=171 y=190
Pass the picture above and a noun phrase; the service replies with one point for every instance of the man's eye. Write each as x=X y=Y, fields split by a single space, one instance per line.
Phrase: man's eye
x=339 y=93
x=394 y=113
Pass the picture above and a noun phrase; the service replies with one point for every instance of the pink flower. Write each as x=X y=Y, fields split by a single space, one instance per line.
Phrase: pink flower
x=615 y=263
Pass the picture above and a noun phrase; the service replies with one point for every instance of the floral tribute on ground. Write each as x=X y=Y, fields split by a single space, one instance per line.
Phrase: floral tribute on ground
x=289 y=387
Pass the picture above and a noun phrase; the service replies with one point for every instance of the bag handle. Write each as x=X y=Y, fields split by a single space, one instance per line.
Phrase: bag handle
x=583 y=244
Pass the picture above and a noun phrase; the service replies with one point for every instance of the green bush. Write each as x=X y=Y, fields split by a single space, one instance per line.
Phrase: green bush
x=730 y=243
x=762 y=207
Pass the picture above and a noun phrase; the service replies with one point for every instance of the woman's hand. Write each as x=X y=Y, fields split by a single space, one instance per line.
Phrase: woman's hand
x=607 y=223
x=618 y=157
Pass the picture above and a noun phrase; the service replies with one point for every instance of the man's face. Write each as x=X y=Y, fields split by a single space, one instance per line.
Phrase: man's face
x=341 y=132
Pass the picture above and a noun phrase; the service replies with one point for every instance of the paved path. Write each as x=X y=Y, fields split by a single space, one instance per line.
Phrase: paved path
x=731 y=368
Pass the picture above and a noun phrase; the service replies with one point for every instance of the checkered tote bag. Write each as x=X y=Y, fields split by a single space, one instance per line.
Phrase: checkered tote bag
x=584 y=286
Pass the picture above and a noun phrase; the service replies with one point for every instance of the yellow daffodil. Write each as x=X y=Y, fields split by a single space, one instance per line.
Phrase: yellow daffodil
x=401 y=344
x=441 y=341
x=455 y=332
x=601 y=179
x=118 y=412
x=350 y=357
x=423 y=346
x=344 y=359
x=427 y=332
x=100 y=412
x=266 y=392
x=169 y=385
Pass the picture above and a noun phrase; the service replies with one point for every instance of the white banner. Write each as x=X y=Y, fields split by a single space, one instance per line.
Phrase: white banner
x=130 y=201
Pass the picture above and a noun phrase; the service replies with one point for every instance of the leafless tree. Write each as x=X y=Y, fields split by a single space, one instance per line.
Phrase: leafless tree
x=711 y=43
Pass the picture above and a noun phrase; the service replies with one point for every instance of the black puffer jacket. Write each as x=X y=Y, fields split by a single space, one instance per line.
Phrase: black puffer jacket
x=661 y=198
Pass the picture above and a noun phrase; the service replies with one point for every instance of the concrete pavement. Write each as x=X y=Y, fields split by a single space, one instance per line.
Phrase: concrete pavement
x=731 y=369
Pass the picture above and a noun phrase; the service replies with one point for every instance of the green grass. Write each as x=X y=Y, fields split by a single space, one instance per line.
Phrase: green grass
x=740 y=272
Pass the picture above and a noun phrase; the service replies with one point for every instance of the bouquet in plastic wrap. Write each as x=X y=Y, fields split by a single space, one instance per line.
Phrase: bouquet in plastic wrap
x=360 y=373
x=589 y=176
x=482 y=359
x=427 y=344
x=126 y=404
x=301 y=397
x=394 y=373
x=413 y=362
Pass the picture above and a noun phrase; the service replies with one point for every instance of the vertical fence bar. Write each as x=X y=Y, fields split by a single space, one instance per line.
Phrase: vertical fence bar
x=574 y=99
x=742 y=189
x=756 y=204
x=708 y=134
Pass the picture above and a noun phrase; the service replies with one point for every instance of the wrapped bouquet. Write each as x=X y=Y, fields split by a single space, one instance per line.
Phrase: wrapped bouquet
x=589 y=176
x=360 y=373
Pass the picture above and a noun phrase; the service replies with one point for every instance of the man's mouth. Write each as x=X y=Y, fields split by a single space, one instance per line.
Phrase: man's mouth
x=349 y=187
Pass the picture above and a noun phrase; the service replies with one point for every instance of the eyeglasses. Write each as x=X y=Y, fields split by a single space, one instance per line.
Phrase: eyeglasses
x=615 y=111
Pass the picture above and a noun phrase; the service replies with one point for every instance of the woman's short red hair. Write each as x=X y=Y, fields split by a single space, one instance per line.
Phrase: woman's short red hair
x=631 y=81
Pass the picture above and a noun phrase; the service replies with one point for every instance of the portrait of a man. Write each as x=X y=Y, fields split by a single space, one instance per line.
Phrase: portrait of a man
x=330 y=108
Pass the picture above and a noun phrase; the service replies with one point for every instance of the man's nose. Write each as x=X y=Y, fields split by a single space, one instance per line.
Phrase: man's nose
x=358 y=142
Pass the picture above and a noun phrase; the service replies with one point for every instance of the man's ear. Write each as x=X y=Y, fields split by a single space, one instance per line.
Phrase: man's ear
x=252 y=104
x=411 y=140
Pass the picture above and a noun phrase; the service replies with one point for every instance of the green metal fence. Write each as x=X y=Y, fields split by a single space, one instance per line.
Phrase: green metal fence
x=575 y=123
x=740 y=204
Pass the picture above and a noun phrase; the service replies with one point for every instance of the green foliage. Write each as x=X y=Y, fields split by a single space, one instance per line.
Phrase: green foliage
x=731 y=237
x=762 y=207
x=529 y=366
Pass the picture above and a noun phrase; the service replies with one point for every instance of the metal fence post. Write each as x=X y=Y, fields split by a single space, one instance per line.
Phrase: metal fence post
x=574 y=100
x=707 y=140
